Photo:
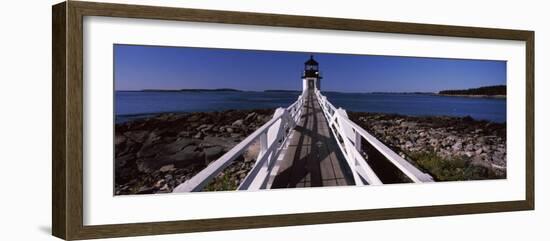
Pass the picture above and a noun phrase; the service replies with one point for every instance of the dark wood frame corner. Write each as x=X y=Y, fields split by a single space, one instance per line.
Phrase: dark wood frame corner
x=67 y=78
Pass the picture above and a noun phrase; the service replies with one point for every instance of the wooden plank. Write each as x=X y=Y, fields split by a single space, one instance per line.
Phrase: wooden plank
x=330 y=182
x=313 y=157
x=335 y=157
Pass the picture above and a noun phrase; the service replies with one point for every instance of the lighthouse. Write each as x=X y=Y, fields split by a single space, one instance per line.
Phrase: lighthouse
x=311 y=77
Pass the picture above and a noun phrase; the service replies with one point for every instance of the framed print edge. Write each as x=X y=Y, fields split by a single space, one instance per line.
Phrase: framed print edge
x=67 y=123
x=59 y=193
x=530 y=120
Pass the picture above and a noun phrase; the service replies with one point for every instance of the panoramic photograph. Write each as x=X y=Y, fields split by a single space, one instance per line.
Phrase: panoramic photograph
x=193 y=119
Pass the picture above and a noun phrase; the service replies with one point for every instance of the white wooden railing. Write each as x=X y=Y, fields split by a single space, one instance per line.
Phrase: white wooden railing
x=271 y=136
x=349 y=137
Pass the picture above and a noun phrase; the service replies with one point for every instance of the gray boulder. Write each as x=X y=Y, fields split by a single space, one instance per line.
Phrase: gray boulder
x=137 y=136
x=120 y=139
x=238 y=123
x=190 y=154
x=213 y=153
x=250 y=117
x=149 y=147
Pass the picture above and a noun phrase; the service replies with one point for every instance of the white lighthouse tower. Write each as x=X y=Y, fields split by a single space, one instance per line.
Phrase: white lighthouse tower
x=312 y=77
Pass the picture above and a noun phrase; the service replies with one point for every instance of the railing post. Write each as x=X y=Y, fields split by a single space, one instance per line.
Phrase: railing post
x=284 y=124
x=263 y=144
x=357 y=141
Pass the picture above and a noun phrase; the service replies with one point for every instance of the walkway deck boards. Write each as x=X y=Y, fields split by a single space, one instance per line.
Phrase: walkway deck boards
x=312 y=158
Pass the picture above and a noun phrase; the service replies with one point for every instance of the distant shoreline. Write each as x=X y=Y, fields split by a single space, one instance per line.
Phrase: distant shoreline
x=328 y=91
x=191 y=90
x=283 y=91
x=208 y=90
x=476 y=96
x=494 y=90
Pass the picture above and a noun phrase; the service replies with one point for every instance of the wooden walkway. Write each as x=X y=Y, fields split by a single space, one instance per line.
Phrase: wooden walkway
x=312 y=158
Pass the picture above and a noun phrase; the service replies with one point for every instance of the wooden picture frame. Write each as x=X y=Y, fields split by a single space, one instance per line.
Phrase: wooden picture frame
x=67 y=150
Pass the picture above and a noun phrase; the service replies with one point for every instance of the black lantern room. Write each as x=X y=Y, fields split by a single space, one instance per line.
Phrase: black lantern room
x=311 y=69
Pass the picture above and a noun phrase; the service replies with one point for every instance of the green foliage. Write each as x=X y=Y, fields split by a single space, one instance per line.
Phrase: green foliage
x=453 y=169
x=487 y=90
x=221 y=183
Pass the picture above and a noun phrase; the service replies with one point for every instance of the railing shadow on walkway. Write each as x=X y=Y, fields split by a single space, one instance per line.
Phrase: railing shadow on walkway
x=310 y=164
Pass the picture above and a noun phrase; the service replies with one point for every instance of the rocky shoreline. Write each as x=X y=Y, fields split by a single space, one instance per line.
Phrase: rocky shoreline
x=449 y=148
x=156 y=154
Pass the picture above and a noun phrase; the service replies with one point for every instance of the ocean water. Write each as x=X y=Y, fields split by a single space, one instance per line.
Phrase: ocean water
x=130 y=105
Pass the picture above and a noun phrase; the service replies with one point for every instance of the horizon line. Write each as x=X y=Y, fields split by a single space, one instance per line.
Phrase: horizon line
x=294 y=90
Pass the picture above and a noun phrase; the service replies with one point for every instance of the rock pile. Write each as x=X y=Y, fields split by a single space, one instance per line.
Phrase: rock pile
x=481 y=143
x=154 y=155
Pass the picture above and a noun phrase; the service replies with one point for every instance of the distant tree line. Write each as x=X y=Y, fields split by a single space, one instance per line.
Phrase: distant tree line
x=487 y=90
x=192 y=90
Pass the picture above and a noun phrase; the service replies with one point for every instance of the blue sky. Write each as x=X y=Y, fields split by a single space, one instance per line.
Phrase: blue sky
x=153 y=67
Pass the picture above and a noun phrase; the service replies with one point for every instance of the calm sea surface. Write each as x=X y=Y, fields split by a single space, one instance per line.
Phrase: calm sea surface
x=129 y=105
